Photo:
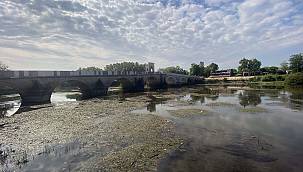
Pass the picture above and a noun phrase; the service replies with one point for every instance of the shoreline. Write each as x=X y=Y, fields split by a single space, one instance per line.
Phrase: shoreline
x=108 y=131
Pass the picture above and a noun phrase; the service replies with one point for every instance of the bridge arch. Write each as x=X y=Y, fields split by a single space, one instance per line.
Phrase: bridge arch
x=191 y=81
x=72 y=84
x=183 y=81
x=171 y=81
x=122 y=84
x=33 y=92
x=152 y=82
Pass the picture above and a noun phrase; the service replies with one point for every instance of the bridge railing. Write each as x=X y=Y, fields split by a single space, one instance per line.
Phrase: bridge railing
x=33 y=74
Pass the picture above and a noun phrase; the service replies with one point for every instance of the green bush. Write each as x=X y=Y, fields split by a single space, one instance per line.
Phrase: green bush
x=255 y=79
x=268 y=78
x=295 y=79
x=280 y=77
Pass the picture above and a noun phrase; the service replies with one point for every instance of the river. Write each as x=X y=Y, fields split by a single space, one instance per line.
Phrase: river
x=226 y=128
x=235 y=129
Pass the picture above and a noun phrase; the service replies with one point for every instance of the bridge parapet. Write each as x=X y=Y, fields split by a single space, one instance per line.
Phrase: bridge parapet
x=35 y=74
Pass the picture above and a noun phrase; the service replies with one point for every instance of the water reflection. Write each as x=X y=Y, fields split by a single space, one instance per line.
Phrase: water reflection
x=66 y=96
x=246 y=97
x=151 y=107
x=197 y=98
x=249 y=98
x=52 y=157
x=212 y=97
x=228 y=138
x=296 y=98
x=9 y=105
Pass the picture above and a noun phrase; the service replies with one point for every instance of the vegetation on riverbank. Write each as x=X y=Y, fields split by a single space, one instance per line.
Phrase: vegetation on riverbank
x=295 y=79
x=268 y=78
x=3 y=66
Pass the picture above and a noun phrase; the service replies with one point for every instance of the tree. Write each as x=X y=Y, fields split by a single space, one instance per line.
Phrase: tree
x=284 y=66
x=249 y=98
x=254 y=65
x=172 y=69
x=244 y=65
x=213 y=67
x=125 y=66
x=234 y=71
x=3 y=67
x=296 y=63
x=196 y=70
x=294 y=79
x=90 y=69
x=250 y=66
x=270 y=69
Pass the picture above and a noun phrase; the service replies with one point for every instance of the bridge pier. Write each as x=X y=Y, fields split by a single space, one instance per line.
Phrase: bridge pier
x=35 y=97
x=94 y=93
x=138 y=85
x=154 y=83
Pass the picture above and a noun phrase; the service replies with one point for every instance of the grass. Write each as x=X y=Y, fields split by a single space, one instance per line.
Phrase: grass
x=295 y=79
x=253 y=110
x=222 y=104
x=185 y=113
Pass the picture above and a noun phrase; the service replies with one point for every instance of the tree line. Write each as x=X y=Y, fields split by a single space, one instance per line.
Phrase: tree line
x=246 y=67
x=172 y=69
x=3 y=66
x=195 y=70
x=119 y=67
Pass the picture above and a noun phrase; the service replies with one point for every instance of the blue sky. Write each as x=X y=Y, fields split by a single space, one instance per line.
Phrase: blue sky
x=66 y=35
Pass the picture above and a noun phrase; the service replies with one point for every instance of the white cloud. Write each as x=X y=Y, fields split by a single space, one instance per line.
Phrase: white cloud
x=88 y=32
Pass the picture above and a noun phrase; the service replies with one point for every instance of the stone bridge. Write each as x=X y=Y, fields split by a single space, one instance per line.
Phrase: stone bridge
x=36 y=87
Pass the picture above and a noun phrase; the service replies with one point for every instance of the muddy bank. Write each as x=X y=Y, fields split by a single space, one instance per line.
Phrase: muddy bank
x=108 y=137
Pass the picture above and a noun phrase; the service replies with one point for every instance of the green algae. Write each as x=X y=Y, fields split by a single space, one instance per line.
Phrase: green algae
x=253 y=110
x=185 y=113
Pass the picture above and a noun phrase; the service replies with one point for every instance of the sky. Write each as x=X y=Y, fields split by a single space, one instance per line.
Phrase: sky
x=66 y=35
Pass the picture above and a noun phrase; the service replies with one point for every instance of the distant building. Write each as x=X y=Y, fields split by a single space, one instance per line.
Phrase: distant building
x=150 y=67
x=223 y=73
x=246 y=74
x=201 y=64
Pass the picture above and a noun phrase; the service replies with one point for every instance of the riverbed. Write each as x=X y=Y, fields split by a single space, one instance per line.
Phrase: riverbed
x=184 y=129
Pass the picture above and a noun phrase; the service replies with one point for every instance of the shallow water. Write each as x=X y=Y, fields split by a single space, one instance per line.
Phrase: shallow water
x=13 y=101
x=67 y=96
x=239 y=129
x=9 y=104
